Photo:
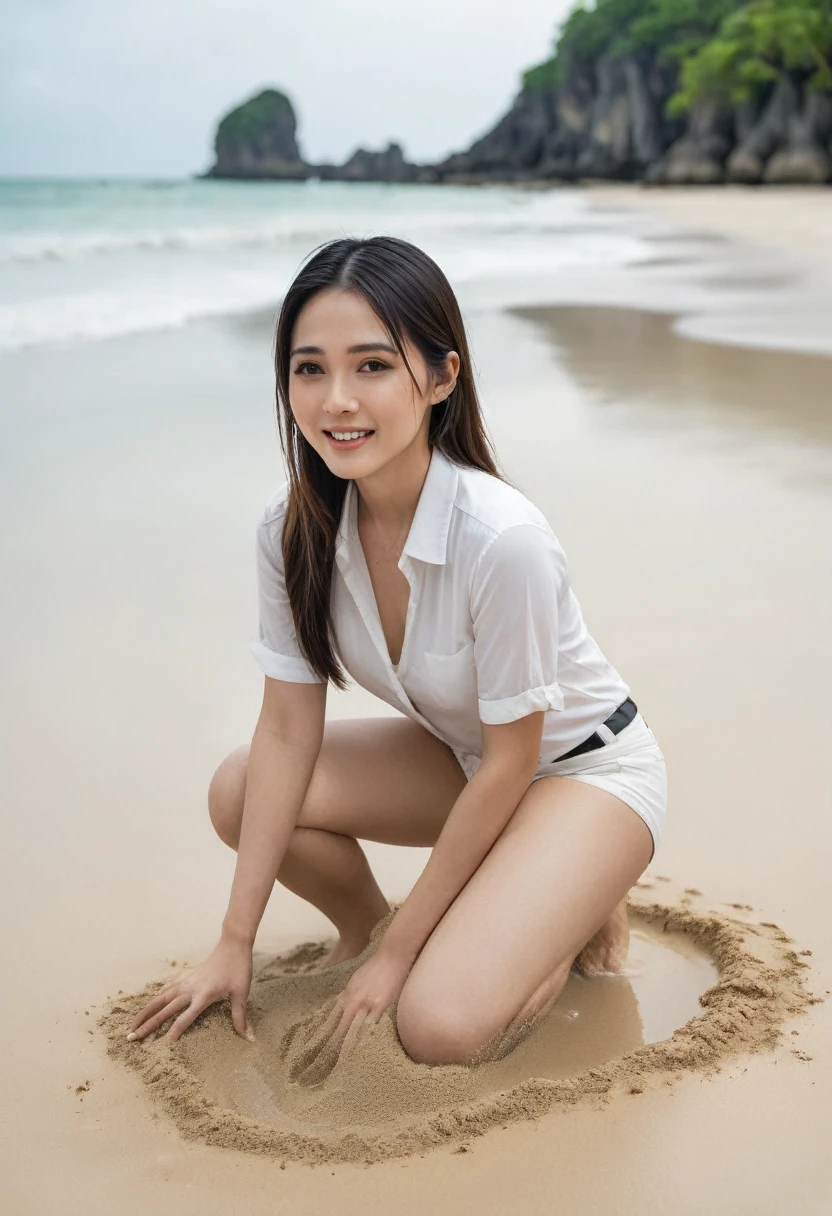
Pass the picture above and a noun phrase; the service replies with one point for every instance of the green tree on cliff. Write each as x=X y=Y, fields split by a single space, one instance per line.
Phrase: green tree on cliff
x=721 y=50
x=753 y=47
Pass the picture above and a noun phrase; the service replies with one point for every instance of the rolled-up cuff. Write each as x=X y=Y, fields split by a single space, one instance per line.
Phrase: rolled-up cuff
x=509 y=709
x=283 y=666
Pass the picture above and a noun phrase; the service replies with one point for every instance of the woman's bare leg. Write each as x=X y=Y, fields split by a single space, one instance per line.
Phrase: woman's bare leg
x=384 y=779
x=331 y=872
x=607 y=950
x=574 y=851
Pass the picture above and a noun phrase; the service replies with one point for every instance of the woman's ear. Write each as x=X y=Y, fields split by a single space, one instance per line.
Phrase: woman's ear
x=446 y=383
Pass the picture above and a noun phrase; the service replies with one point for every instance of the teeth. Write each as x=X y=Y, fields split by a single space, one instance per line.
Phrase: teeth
x=348 y=434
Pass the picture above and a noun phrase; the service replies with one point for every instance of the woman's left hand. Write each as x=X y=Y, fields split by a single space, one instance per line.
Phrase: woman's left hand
x=371 y=990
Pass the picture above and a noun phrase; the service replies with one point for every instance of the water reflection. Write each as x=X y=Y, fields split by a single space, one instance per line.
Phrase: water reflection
x=632 y=356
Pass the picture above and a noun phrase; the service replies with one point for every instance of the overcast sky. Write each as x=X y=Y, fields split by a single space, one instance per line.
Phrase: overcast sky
x=103 y=87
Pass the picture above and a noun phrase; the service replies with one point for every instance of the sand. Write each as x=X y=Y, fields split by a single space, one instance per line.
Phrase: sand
x=289 y=1097
x=786 y=217
x=689 y=482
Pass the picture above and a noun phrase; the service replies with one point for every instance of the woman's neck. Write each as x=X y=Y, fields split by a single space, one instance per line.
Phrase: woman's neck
x=391 y=494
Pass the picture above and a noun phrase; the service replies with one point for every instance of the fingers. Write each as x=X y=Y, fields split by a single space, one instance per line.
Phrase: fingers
x=351 y=1035
x=159 y=1001
x=351 y=1026
x=238 y=1018
x=166 y=1012
x=342 y=1029
x=188 y=1015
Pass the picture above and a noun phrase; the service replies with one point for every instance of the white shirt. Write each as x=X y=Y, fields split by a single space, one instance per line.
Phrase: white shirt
x=493 y=629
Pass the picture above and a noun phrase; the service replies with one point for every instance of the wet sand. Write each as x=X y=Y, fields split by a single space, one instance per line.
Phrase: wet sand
x=289 y=1097
x=690 y=486
x=786 y=217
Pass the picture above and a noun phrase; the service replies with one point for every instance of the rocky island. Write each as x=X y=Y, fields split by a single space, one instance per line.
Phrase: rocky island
x=660 y=91
x=258 y=141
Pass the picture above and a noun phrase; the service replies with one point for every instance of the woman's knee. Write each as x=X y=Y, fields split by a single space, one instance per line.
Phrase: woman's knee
x=437 y=1035
x=439 y=1025
x=226 y=795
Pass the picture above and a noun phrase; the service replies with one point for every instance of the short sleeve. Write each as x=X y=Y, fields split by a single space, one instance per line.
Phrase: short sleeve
x=276 y=650
x=516 y=590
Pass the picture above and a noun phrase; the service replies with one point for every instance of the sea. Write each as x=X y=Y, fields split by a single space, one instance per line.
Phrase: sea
x=87 y=260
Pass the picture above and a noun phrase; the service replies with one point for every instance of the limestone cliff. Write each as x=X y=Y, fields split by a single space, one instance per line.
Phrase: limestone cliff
x=699 y=91
x=611 y=122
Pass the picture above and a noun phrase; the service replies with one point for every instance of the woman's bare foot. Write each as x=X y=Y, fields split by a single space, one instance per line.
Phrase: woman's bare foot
x=355 y=942
x=607 y=950
x=345 y=948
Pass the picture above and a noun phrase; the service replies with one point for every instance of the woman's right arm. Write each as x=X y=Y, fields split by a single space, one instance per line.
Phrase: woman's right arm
x=284 y=750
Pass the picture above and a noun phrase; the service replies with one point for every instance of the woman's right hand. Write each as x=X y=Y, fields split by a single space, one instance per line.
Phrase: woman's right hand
x=226 y=972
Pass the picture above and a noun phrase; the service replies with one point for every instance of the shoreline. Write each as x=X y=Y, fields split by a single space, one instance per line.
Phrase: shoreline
x=738 y=266
x=735 y=266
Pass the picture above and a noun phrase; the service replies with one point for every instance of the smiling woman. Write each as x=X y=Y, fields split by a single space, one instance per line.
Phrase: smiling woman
x=397 y=554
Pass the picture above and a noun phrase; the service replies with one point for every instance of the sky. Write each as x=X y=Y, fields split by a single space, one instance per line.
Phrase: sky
x=98 y=87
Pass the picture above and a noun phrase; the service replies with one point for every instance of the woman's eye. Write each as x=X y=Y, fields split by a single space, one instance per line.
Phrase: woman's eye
x=303 y=369
x=374 y=365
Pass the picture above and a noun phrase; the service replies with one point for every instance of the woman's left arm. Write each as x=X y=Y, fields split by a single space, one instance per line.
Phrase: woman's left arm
x=484 y=807
x=482 y=810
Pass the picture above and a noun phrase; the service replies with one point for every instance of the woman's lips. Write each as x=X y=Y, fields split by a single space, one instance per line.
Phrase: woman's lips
x=348 y=444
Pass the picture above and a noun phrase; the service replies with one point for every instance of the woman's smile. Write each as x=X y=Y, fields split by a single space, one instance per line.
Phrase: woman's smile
x=348 y=439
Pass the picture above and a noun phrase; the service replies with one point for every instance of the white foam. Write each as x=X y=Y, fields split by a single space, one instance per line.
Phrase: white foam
x=94 y=285
x=106 y=314
x=537 y=214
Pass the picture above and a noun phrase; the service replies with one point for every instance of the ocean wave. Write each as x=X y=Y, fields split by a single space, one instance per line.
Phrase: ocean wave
x=102 y=314
x=297 y=229
x=95 y=314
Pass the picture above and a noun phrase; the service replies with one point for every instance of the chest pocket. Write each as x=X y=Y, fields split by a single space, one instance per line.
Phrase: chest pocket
x=446 y=681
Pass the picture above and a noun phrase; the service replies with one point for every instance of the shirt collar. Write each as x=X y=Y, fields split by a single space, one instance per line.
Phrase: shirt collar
x=427 y=540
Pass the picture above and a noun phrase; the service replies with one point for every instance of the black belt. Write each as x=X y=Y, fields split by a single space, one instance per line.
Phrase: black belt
x=618 y=719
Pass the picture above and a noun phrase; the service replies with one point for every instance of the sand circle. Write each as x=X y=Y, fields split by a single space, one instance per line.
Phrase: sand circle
x=700 y=987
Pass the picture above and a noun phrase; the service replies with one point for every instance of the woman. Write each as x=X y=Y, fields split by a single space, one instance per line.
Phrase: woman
x=397 y=550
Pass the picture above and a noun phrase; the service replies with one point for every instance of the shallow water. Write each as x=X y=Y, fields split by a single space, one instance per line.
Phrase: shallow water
x=594 y=1021
x=602 y=1018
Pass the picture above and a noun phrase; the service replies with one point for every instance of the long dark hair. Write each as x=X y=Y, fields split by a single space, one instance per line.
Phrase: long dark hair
x=412 y=298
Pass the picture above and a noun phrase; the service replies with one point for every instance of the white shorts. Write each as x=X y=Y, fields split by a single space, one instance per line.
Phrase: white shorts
x=631 y=767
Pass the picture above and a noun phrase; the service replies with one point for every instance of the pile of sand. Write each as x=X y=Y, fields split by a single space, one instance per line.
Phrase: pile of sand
x=287 y=1096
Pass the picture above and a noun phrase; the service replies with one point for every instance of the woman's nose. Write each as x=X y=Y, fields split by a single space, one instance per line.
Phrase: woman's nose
x=338 y=399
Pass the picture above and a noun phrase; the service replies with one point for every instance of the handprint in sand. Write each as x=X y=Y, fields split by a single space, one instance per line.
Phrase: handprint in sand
x=314 y=1046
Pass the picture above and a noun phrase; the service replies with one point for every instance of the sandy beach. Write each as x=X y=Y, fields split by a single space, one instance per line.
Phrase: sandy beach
x=787 y=217
x=673 y=419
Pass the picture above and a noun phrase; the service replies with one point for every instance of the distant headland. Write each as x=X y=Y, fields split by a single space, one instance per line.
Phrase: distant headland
x=661 y=91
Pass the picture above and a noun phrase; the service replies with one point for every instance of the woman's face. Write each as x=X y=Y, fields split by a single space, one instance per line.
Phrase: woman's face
x=345 y=376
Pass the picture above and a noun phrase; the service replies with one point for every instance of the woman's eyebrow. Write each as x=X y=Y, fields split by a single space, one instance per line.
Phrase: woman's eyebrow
x=360 y=348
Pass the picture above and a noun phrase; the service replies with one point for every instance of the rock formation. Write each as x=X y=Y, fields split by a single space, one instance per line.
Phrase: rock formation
x=257 y=140
x=703 y=91
x=389 y=165
x=612 y=123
